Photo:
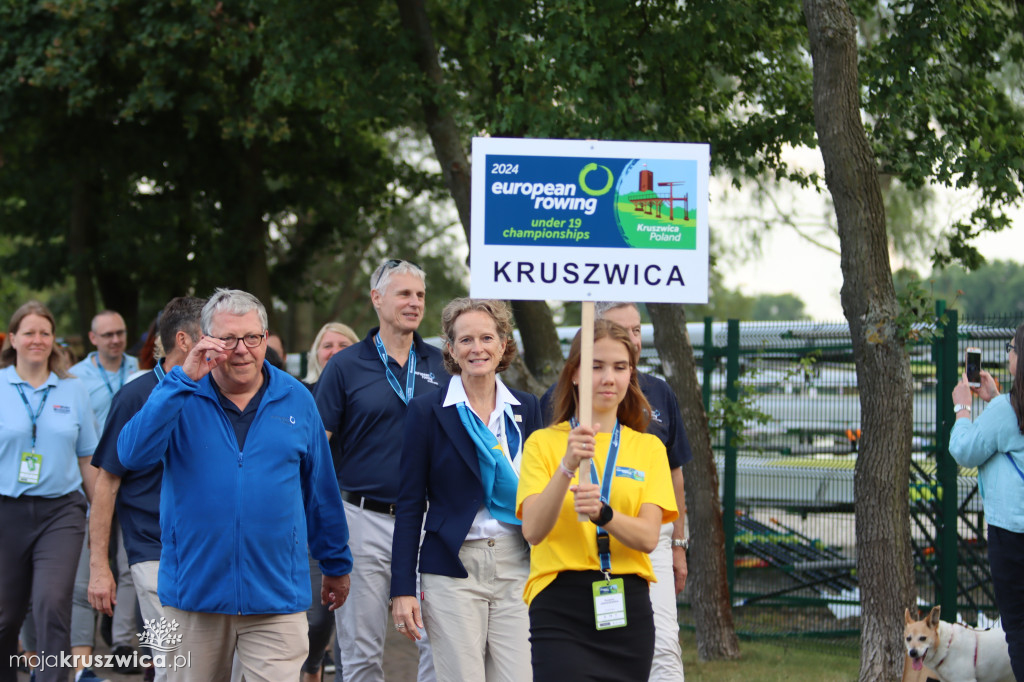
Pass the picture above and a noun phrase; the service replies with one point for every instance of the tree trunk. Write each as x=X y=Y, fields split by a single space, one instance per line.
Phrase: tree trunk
x=708 y=583
x=885 y=569
x=252 y=231
x=121 y=294
x=517 y=376
x=543 y=354
x=80 y=241
x=541 y=349
x=444 y=134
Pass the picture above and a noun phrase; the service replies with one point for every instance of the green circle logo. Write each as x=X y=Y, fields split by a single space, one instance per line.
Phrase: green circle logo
x=583 y=180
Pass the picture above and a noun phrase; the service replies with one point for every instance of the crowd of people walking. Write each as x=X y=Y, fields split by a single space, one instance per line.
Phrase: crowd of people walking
x=253 y=513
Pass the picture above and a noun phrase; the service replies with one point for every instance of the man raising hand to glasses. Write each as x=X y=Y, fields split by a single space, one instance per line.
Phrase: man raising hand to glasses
x=247 y=482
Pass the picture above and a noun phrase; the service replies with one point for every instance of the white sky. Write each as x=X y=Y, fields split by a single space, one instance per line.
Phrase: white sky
x=788 y=263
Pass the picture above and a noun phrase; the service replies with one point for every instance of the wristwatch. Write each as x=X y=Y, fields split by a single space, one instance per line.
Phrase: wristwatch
x=685 y=544
x=958 y=407
x=604 y=516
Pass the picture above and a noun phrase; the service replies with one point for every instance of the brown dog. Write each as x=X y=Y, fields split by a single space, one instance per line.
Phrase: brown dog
x=957 y=653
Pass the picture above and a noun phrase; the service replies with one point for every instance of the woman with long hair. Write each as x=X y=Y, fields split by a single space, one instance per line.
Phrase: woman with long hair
x=48 y=435
x=588 y=594
x=332 y=338
x=994 y=442
x=462 y=454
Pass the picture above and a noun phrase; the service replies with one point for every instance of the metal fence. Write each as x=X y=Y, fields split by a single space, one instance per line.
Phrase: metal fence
x=787 y=479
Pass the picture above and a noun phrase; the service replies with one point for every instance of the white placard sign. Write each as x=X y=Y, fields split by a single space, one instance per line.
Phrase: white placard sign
x=578 y=220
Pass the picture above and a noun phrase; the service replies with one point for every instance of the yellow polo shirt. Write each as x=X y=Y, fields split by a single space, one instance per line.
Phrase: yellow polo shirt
x=641 y=476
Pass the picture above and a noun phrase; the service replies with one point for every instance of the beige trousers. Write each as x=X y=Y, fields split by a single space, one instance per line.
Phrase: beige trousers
x=270 y=648
x=667 y=665
x=479 y=626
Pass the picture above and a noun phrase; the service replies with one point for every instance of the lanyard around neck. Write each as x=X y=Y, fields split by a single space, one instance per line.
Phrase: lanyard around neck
x=106 y=380
x=603 y=539
x=410 y=377
x=34 y=418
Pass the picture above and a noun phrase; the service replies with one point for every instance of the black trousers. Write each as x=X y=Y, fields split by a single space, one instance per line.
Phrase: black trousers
x=321 y=623
x=41 y=539
x=1006 y=557
x=566 y=645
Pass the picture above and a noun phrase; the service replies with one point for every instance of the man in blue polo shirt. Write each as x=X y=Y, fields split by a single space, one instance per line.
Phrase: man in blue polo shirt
x=247 y=484
x=669 y=559
x=104 y=372
x=136 y=493
x=362 y=397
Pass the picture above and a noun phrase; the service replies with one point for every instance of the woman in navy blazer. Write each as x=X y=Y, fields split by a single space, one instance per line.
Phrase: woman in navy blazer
x=461 y=454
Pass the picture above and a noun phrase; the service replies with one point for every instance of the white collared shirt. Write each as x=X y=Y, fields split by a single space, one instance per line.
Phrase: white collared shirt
x=484 y=524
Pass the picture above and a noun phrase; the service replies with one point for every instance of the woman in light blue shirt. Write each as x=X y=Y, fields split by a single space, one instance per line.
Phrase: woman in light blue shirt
x=994 y=442
x=47 y=435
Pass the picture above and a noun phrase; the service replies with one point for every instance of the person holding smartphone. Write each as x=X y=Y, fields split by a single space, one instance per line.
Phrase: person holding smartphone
x=588 y=593
x=994 y=442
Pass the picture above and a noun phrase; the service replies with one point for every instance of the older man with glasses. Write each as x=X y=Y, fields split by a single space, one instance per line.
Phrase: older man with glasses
x=247 y=484
x=362 y=395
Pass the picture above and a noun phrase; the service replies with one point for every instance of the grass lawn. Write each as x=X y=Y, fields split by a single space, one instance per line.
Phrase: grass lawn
x=772 y=661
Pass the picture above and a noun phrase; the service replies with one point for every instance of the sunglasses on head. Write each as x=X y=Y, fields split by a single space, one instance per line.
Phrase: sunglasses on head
x=390 y=265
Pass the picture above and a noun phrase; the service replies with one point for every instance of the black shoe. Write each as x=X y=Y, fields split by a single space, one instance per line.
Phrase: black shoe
x=124 y=660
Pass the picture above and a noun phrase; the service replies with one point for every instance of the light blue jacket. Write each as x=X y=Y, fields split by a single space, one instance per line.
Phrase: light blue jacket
x=985 y=444
x=234 y=524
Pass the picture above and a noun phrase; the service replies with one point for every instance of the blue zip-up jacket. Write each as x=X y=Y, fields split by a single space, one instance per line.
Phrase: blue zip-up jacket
x=995 y=445
x=234 y=525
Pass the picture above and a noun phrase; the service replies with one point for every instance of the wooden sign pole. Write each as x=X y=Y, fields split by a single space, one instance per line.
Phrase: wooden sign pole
x=586 y=384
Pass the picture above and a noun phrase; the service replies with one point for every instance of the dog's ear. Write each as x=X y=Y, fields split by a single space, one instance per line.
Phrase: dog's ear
x=907 y=617
x=933 y=617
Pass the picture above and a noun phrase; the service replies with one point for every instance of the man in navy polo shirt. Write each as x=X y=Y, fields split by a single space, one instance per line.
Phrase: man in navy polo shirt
x=669 y=559
x=136 y=493
x=362 y=397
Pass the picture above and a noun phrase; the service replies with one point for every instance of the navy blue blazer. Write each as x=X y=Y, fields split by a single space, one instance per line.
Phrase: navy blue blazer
x=440 y=464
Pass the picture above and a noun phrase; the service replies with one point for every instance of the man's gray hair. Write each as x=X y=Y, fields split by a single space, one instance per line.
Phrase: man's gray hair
x=381 y=277
x=233 y=302
x=601 y=307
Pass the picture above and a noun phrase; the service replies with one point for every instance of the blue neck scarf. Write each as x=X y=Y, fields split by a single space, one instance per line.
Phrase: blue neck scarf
x=500 y=480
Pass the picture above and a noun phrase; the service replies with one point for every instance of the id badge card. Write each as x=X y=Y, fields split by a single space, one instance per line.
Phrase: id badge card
x=29 y=467
x=609 y=604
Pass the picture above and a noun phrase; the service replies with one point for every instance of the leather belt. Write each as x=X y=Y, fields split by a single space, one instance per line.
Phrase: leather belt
x=368 y=503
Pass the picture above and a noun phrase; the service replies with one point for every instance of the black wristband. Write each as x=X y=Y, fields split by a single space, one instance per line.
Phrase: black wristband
x=605 y=515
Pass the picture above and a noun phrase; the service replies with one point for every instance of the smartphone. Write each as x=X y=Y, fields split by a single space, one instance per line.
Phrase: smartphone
x=972 y=366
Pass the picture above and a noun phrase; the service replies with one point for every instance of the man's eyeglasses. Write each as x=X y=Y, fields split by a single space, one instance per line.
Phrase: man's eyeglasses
x=250 y=340
x=390 y=265
x=1010 y=346
x=106 y=336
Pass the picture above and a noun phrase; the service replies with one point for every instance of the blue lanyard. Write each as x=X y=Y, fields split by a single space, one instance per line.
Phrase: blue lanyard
x=34 y=418
x=603 y=539
x=120 y=375
x=158 y=369
x=410 y=377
